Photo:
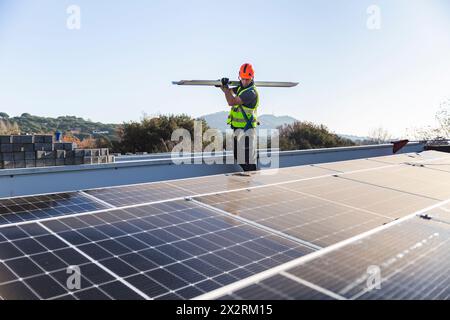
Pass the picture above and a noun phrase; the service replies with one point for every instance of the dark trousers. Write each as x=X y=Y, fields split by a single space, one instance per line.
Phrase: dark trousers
x=245 y=166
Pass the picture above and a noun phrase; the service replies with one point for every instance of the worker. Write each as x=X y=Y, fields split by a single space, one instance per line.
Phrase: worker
x=244 y=101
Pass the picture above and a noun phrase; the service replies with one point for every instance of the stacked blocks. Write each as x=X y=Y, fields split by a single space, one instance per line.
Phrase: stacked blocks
x=29 y=151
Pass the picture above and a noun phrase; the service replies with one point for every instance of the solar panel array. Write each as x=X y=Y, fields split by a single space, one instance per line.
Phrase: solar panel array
x=171 y=250
x=14 y=210
x=294 y=233
x=411 y=259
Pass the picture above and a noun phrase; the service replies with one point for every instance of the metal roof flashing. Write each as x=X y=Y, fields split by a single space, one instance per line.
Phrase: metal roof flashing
x=153 y=168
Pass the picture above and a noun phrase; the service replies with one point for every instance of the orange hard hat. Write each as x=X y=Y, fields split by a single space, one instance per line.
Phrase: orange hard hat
x=246 y=71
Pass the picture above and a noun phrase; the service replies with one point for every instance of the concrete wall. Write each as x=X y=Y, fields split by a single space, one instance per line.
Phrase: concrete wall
x=17 y=182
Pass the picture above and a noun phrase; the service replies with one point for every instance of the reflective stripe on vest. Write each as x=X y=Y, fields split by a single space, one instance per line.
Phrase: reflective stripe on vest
x=236 y=119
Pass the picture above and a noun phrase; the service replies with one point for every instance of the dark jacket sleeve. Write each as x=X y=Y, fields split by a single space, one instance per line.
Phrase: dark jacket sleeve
x=249 y=98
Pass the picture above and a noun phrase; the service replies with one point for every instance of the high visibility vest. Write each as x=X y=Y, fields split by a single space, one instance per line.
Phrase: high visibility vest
x=236 y=119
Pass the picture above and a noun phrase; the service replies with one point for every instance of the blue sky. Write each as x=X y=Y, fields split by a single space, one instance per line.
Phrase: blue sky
x=120 y=64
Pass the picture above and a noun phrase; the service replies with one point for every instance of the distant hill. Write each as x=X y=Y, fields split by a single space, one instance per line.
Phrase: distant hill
x=219 y=120
x=80 y=127
x=354 y=138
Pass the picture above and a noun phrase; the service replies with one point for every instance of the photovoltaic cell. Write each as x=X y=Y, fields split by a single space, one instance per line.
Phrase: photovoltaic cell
x=138 y=194
x=441 y=214
x=298 y=215
x=173 y=249
x=228 y=182
x=21 y=209
x=438 y=166
x=213 y=184
x=351 y=165
x=180 y=249
x=145 y=193
x=412 y=260
x=370 y=198
x=413 y=180
x=34 y=264
x=277 y=287
x=411 y=157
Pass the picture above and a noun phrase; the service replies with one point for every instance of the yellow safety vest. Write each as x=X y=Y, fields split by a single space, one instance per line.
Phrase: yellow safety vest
x=236 y=119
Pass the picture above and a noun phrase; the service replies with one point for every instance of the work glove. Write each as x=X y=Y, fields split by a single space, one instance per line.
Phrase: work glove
x=225 y=82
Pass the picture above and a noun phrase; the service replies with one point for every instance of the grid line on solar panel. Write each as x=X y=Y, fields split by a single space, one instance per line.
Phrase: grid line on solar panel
x=300 y=216
x=349 y=165
x=409 y=179
x=30 y=258
x=91 y=213
x=30 y=208
x=236 y=267
x=313 y=286
x=443 y=166
x=358 y=239
x=106 y=204
x=411 y=157
x=39 y=271
x=337 y=203
x=251 y=179
x=392 y=188
x=161 y=252
x=85 y=255
x=122 y=196
x=411 y=258
x=365 y=197
x=258 y=225
x=180 y=189
x=192 y=179
x=277 y=287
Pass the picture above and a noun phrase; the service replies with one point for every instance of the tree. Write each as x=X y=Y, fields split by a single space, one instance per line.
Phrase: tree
x=440 y=131
x=443 y=119
x=86 y=143
x=153 y=134
x=379 y=136
x=306 y=135
x=104 y=142
x=6 y=127
x=4 y=115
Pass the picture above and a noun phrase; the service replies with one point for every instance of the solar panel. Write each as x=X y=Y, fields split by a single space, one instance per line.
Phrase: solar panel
x=411 y=157
x=21 y=209
x=438 y=166
x=302 y=216
x=138 y=194
x=408 y=179
x=411 y=260
x=367 y=197
x=214 y=183
x=229 y=182
x=150 y=241
x=33 y=265
x=278 y=287
x=351 y=165
x=177 y=189
x=300 y=172
x=174 y=249
x=441 y=214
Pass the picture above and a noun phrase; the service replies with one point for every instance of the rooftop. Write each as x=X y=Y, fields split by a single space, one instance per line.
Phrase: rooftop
x=369 y=228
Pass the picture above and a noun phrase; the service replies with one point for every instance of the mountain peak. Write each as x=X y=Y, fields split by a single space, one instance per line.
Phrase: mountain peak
x=218 y=120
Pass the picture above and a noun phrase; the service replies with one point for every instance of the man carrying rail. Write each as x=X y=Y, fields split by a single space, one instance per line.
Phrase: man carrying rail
x=244 y=102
